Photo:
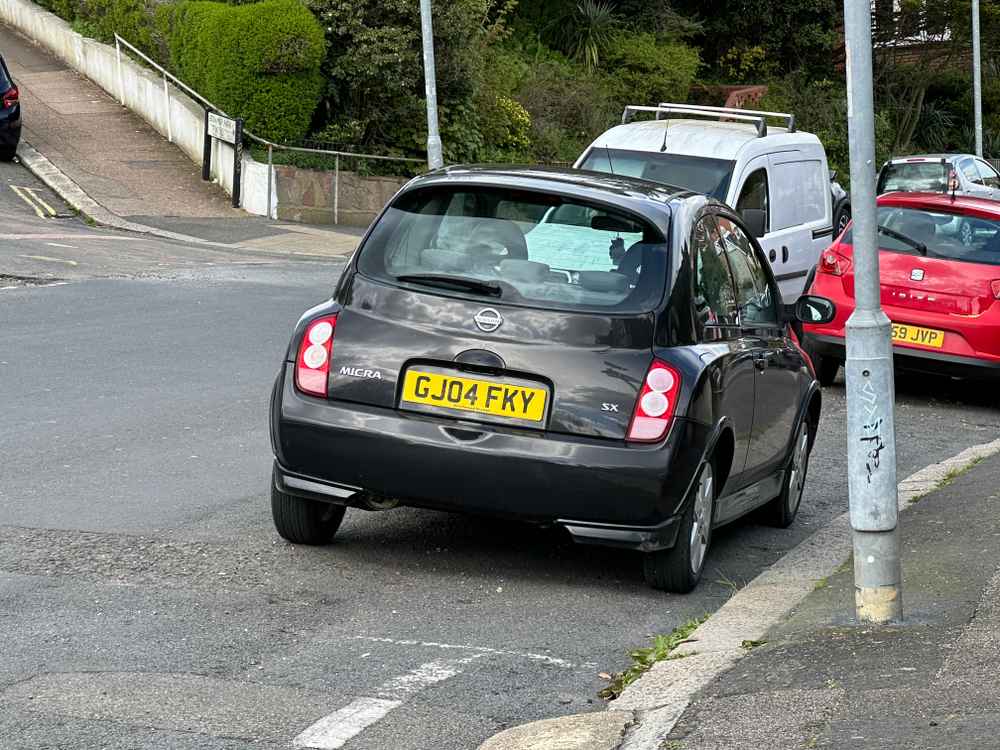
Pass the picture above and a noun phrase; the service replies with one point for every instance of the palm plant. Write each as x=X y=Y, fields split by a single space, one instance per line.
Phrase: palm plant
x=587 y=31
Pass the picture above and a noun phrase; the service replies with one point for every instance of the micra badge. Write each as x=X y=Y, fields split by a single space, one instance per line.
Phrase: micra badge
x=361 y=372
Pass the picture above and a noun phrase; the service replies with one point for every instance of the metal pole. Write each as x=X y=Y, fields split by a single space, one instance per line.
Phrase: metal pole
x=434 y=157
x=270 y=178
x=871 y=433
x=166 y=102
x=238 y=163
x=977 y=79
x=336 y=189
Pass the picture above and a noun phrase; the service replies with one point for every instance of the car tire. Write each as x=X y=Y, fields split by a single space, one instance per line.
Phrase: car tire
x=781 y=511
x=304 y=521
x=842 y=220
x=7 y=153
x=679 y=568
x=826 y=369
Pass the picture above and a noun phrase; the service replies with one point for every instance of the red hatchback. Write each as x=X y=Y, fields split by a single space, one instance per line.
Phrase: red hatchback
x=939 y=260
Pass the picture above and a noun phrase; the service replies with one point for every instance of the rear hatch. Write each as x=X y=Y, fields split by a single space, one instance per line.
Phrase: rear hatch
x=925 y=265
x=917 y=175
x=518 y=310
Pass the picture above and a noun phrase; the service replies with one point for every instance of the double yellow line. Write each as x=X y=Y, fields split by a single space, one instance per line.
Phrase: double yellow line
x=37 y=203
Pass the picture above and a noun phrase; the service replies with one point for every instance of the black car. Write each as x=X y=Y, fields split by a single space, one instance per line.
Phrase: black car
x=565 y=347
x=10 y=114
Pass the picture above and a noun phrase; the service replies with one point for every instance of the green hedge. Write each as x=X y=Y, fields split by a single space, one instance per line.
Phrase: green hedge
x=259 y=61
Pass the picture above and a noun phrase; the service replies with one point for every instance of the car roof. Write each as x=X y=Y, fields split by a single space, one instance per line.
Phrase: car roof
x=718 y=140
x=645 y=197
x=924 y=158
x=961 y=204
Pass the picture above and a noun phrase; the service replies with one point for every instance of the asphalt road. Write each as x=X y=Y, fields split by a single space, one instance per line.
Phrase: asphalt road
x=145 y=600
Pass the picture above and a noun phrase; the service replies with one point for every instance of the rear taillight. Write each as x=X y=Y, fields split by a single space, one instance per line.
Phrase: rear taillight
x=312 y=366
x=833 y=263
x=11 y=97
x=654 y=409
x=995 y=288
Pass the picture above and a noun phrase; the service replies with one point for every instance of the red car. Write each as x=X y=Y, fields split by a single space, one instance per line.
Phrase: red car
x=939 y=260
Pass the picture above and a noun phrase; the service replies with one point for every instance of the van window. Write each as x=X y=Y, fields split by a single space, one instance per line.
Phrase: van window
x=798 y=194
x=754 y=195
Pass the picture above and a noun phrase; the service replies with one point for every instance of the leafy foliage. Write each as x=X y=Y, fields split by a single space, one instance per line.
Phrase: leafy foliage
x=259 y=61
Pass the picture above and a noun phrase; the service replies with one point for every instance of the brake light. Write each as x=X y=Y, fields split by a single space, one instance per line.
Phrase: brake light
x=11 y=97
x=654 y=409
x=995 y=288
x=312 y=366
x=833 y=263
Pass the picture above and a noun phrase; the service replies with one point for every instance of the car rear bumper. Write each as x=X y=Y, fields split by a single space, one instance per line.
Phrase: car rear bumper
x=601 y=491
x=907 y=358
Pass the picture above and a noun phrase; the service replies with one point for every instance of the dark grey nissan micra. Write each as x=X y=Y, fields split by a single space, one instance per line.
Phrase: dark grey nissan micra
x=597 y=352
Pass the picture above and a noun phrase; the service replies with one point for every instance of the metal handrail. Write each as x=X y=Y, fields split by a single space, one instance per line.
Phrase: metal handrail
x=120 y=42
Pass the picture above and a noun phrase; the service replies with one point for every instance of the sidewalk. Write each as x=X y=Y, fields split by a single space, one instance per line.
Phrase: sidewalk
x=817 y=679
x=128 y=169
x=821 y=681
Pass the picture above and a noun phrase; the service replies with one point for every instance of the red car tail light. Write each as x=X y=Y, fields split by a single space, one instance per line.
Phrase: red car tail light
x=11 y=97
x=654 y=409
x=995 y=288
x=833 y=263
x=312 y=365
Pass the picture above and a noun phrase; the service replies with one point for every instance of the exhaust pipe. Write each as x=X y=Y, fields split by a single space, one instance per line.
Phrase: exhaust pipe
x=367 y=501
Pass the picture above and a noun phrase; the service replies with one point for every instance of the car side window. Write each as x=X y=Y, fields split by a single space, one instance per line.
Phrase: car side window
x=754 y=195
x=714 y=295
x=753 y=290
x=968 y=168
x=989 y=175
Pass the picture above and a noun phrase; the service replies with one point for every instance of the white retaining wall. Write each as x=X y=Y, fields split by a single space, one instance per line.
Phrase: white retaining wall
x=142 y=92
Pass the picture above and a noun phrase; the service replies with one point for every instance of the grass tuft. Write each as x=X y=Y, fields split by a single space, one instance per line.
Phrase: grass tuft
x=644 y=658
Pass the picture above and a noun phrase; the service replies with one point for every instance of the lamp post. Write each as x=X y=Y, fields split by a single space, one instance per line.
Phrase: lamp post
x=871 y=434
x=977 y=79
x=434 y=158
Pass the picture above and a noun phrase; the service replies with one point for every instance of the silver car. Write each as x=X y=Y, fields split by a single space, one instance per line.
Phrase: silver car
x=934 y=173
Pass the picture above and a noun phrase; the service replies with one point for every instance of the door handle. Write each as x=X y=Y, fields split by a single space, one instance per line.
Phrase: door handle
x=784 y=254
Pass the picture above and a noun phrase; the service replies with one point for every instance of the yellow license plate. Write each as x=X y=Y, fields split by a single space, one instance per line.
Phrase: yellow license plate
x=904 y=334
x=474 y=395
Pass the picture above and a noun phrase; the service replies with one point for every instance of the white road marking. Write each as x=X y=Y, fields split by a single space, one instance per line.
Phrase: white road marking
x=68 y=236
x=555 y=661
x=333 y=731
x=49 y=260
x=58 y=244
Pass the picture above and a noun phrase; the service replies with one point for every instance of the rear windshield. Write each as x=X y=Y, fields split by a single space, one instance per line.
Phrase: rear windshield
x=944 y=235
x=695 y=173
x=914 y=177
x=522 y=248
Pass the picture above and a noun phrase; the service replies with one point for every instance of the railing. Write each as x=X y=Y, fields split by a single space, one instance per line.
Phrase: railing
x=271 y=146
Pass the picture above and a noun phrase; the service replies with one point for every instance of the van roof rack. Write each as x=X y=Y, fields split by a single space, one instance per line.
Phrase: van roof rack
x=756 y=117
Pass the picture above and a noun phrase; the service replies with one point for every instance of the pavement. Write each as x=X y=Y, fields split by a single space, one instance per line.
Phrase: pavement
x=818 y=679
x=113 y=167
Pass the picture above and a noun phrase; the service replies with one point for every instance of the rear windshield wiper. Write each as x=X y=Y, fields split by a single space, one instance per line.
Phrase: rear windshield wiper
x=444 y=281
x=920 y=247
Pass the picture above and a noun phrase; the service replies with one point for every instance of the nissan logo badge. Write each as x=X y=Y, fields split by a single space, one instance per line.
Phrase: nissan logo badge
x=488 y=320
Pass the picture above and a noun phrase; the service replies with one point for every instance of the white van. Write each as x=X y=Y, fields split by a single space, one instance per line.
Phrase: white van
x=775 y=177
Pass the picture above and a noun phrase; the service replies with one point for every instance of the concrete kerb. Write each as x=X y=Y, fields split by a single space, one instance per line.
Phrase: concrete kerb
x=649 y=708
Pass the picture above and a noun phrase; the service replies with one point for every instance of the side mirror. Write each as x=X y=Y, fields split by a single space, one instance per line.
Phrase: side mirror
x=756 y=221
x=812 y=309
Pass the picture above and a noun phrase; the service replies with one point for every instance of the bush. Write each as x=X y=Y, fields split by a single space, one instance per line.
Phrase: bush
x=100 y=19
x=646 y=70
x=259 y=61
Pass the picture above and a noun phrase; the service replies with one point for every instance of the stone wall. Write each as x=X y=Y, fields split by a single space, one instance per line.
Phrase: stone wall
x=307 y=195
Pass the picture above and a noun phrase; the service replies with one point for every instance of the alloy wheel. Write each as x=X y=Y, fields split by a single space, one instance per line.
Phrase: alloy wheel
x=701 y=524
x=797 y=471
